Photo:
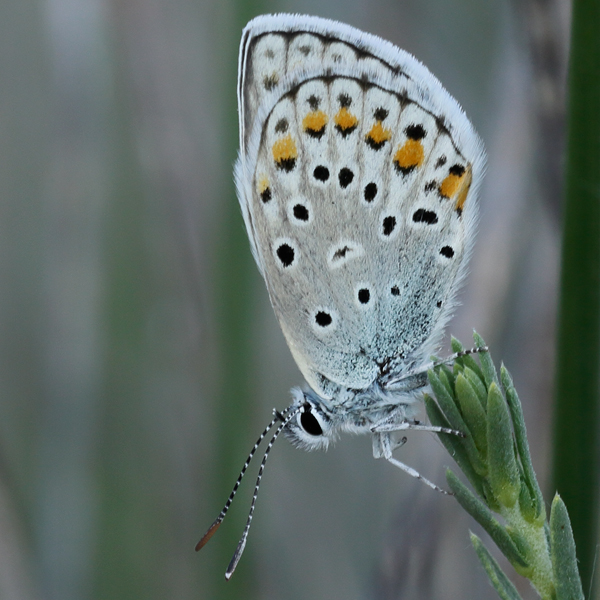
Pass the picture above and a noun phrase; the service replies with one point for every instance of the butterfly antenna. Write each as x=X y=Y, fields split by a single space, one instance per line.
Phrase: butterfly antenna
x=242 y=543
x=213 y=528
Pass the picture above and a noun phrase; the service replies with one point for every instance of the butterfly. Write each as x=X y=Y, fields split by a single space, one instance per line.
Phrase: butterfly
x=357 y=179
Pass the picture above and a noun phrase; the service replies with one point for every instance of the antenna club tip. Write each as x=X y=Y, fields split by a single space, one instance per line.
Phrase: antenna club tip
x=208 y=535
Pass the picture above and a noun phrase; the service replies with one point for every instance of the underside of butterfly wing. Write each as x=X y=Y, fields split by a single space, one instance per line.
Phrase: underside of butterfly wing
x=358 y=190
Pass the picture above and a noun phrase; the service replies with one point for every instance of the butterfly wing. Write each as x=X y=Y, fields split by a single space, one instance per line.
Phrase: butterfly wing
x=357 y=179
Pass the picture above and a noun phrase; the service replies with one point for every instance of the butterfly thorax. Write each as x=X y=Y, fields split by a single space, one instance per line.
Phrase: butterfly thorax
x=320 y=420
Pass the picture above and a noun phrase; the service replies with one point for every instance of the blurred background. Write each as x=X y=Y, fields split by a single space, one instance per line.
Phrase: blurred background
x=140 y=357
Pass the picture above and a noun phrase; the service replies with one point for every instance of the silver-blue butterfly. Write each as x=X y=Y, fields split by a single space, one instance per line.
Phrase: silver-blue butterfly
x=357 y=177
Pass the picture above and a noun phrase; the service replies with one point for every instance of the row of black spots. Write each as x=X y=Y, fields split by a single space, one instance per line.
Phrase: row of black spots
x=345 y=178
x=324 y=319
x=345 y=175
x=422 y=215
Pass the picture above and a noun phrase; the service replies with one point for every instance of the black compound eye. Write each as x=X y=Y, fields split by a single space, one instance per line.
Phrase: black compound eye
x=309 y=423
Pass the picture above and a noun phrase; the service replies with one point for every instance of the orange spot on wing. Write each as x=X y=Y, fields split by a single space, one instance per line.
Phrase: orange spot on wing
x=410 y=155
x=314 y=122
x=463 y=189
x=378 y=134
x=263 y=183
x=345 y=120
x=454 y=184
x=284 y=149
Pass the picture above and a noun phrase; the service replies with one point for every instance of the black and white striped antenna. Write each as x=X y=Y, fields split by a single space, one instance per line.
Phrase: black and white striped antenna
x=283 y=422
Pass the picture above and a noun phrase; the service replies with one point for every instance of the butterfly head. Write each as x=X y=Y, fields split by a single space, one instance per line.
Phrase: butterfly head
x=312 y=428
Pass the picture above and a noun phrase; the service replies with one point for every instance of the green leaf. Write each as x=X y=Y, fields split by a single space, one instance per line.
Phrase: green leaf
x=503 y=471
x=502 y=584
x=520 y=431
x=527 y=505
x=450 y=409
x=472 y=412
x=468 y=360
x=446 y=376
x=477 y=384
x=564 y=559
x=487 y=364
x=486 y=519
x=453 y=444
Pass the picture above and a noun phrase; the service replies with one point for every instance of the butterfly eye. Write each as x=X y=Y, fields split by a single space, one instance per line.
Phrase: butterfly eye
x=309 y=422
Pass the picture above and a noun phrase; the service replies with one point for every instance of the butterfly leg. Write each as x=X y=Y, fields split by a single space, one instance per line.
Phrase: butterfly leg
x=391 y=423
x=383 y=445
